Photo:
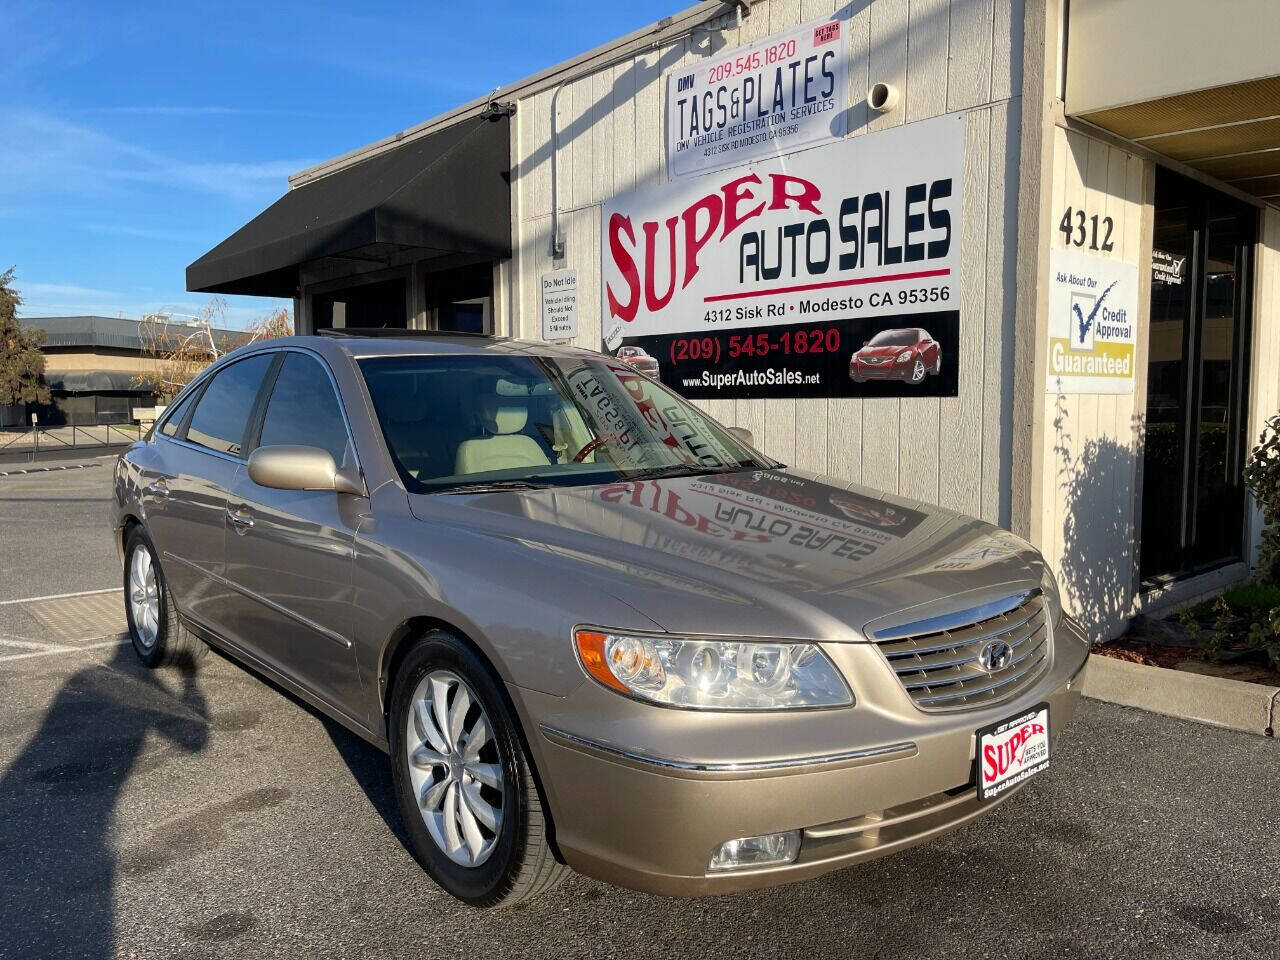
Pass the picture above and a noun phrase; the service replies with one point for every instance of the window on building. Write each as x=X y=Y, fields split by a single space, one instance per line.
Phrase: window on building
x=303 y=409
x=382 y=304
x=222 y=414
x=460 y=300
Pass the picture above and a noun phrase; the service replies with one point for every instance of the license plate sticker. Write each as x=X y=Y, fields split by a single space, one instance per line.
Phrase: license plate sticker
x=1011 y=751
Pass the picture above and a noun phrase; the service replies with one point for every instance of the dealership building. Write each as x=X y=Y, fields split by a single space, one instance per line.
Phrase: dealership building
x=1020 y=258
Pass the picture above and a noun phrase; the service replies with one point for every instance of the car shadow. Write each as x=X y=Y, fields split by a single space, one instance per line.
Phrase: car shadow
x=370 y=770
x=366 y=763
x=59 y=800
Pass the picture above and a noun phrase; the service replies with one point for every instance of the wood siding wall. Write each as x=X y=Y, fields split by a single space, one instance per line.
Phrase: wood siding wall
x=1093 y=443
x=944 y=55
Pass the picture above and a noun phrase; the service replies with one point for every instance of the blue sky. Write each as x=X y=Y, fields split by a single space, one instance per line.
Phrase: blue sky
x=135 y=136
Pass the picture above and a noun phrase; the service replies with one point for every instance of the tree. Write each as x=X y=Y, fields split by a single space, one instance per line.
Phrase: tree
x=180 y=350
x=21 y=362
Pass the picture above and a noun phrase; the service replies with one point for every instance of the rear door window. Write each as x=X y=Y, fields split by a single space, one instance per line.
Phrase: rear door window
x=222 y=414
x=304 y=410
x=173 y=419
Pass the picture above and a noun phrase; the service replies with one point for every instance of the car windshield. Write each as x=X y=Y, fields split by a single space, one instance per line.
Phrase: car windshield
x=460 y=423
x=893 y=338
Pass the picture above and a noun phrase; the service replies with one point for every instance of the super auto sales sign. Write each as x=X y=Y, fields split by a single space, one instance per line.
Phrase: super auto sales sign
x=829 y=272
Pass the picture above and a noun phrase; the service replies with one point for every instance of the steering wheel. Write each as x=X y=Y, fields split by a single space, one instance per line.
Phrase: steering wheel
x=590 y=448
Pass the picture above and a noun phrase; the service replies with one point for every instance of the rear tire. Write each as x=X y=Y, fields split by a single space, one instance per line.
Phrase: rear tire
x=159 y=638
x=467 y=798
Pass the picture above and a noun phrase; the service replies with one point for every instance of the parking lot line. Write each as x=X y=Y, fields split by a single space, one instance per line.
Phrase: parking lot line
x=116 y=641
x=61 y=596
x=32 y=645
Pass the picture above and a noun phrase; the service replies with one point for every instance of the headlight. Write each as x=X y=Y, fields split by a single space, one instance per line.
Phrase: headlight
x=904 y=356
x=713 y=674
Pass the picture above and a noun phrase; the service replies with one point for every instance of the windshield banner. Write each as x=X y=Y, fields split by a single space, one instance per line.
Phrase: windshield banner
x=832 y=272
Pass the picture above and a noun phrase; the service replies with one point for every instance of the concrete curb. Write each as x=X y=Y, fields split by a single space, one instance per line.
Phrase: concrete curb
x=62 y=466
x=1234 y=704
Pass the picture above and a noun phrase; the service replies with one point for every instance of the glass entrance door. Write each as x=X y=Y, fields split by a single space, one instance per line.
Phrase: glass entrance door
x=1193 y=503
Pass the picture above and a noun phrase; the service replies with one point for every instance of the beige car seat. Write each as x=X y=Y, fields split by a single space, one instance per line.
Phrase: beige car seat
x=506 y=448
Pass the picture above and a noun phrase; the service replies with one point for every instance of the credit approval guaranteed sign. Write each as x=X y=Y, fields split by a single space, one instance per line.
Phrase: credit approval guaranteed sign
x=1093 y=311
x=826 y=273
x=770 y=97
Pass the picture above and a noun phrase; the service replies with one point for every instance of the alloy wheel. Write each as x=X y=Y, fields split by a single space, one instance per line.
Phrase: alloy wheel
x=455 y=768
x=144 y=597
x=917 y=372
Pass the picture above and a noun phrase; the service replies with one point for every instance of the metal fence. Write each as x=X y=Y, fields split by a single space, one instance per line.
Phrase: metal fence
x=35 y=439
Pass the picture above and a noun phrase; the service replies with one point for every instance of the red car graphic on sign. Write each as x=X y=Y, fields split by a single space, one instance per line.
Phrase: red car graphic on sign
x=905 y=353
x=637 y=357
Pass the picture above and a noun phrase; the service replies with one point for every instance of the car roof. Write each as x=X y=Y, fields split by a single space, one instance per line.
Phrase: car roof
x=425 y=343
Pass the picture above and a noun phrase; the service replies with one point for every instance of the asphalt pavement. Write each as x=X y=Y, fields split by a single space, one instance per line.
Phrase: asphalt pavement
x=208 y=814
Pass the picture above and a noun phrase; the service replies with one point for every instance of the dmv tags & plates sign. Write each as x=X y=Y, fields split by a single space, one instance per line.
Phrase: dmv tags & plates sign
x=765 y=99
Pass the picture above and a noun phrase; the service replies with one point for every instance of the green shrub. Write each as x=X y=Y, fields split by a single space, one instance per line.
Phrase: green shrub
x=1262 y=477
x=1264 y=634
x=1253 y=596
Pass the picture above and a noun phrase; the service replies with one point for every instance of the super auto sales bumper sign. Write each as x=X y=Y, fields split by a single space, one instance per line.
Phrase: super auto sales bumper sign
x=825 y=273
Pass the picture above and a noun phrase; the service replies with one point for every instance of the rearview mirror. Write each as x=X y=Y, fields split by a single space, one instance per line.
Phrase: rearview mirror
x=289 y=467
x=743 y=434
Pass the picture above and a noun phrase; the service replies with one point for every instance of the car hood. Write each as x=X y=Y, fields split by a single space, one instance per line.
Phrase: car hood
x=769 y=553
x=883 y=351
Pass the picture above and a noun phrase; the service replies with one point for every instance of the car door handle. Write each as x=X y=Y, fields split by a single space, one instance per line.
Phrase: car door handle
x=157 y=488
x=241 y=517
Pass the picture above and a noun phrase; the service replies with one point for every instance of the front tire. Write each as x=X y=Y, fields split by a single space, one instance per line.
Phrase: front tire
x=918 y=371
x=463 y=783
x=159 y=638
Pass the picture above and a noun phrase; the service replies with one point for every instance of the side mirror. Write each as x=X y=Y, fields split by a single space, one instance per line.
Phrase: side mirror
x=743 y=434
x=289 y=467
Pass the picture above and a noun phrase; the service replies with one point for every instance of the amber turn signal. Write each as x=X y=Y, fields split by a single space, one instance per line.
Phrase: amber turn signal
x=592 y=654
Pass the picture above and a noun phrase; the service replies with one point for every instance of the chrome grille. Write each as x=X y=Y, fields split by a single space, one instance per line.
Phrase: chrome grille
x=939 y=661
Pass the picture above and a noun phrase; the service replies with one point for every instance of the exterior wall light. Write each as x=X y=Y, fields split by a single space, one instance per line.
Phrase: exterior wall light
x=882 y=97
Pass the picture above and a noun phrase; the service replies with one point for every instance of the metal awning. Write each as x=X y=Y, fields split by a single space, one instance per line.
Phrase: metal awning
x=448 y=192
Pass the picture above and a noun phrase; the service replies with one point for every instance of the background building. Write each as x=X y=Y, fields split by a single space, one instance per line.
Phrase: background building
x=92 y=365
x=1108 y=170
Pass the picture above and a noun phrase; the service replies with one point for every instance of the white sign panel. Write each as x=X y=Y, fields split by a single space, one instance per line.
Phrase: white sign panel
x=829 y=272
x=560 y=305
x=1093 y=315
x=768 y=98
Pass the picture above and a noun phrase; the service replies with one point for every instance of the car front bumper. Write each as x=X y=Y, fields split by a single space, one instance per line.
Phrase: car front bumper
x=643 y=804
x=881 y=371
